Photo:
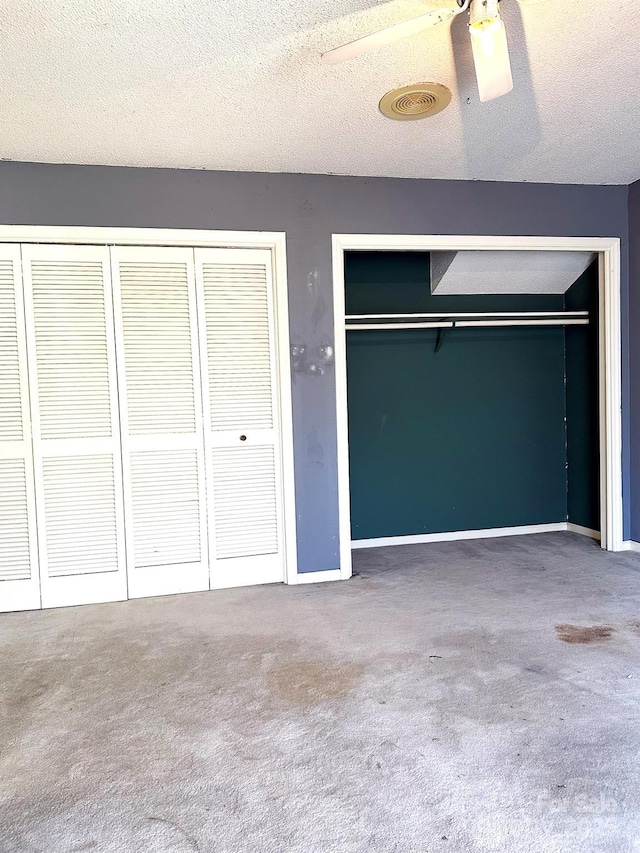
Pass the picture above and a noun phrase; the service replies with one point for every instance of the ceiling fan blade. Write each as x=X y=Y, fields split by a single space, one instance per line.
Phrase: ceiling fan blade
x=382 y=37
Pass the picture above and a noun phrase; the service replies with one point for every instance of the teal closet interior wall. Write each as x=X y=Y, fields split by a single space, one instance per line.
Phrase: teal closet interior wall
x=583 y=450
x=472 y=436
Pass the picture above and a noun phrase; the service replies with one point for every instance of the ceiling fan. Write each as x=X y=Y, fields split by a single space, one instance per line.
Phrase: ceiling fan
x=488 y=42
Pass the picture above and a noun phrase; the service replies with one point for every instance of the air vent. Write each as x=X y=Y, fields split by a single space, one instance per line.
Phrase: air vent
x=416 y=101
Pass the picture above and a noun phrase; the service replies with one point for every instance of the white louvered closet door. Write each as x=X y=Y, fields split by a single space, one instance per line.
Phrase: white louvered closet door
x=239 y=377
x=19 y=577
x=161 y=414
x=76 y=441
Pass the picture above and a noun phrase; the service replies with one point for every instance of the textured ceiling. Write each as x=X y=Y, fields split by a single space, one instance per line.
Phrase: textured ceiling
x=221 y=84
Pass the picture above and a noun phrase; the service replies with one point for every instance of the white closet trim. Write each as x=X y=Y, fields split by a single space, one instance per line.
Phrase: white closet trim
x=141 y=236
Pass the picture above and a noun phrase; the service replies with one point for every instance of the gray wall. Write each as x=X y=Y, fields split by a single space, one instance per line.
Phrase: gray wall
x=309 y=208
x=634 y=356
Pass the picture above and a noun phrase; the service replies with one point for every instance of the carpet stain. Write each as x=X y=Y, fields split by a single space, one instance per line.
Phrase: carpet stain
x=584 y=634
x=635 y=627
x=309 y=682
x=27 y=696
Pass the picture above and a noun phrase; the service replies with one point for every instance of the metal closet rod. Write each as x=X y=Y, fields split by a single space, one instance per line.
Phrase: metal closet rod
x=468 y=319
x=453 y=314
x=458 y=324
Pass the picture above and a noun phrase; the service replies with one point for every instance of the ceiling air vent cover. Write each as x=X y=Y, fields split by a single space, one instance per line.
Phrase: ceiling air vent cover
x=416 y=101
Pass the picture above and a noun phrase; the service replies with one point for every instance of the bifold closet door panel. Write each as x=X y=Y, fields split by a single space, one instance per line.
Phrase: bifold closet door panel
x=242 y=435
x=19 y=576
x=161 y=416
x=74 y=407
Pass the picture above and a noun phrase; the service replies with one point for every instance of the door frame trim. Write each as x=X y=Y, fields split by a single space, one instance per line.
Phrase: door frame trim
x=275 y=241
x=610 y=356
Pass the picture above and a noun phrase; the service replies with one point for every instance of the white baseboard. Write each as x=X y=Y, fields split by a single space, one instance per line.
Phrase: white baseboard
x=490 y=533
x=583 y=531
x=318 y=577
x=630 y=545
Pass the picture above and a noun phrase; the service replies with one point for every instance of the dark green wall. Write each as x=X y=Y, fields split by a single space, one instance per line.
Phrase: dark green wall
x=583 y=451
x=470 y=437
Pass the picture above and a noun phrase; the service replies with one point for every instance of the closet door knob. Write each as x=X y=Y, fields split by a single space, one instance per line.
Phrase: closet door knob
x=243 y=438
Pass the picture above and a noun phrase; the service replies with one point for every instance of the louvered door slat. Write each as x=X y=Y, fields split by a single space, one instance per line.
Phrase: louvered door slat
x=158 y=352
x=11 y=404
x=166 y=508
x=19 y=574
x=161 y=410
x=238 y=332
x=71 y=349
x=236 y=311
x=80 y=511
x=246 y=524
x=15 y=551
x=76 y=435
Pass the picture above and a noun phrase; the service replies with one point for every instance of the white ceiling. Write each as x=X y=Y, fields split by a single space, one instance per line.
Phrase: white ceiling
x=222 y=84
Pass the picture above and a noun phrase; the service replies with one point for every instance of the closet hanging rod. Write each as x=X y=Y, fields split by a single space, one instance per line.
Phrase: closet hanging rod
x=453 y=314
x=569 y=321
x=434 y=325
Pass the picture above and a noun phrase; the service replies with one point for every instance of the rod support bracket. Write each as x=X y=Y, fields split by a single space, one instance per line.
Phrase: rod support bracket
x=442 y=333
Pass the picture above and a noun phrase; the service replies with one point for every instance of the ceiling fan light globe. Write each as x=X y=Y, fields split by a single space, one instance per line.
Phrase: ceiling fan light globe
x=491 y=59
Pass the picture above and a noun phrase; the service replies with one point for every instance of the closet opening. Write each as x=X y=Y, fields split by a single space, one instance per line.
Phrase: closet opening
x=477 y=391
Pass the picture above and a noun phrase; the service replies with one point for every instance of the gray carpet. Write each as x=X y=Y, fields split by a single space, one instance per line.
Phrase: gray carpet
x=471 y=696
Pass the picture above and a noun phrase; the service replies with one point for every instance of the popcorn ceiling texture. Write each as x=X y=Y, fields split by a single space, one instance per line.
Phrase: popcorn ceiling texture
x=239 y=86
